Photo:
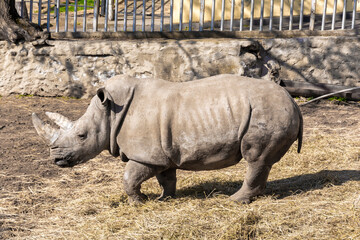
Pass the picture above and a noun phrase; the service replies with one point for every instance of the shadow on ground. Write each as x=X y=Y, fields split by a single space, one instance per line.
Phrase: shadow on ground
x=279 y=188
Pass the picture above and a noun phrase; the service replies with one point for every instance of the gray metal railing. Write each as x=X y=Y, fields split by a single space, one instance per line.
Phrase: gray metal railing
x=162 y=15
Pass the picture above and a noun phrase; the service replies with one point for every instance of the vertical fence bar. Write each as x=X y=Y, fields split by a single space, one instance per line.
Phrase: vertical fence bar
x=212 y=15
x=134 y=16
x=66 y=16
x=143 y=16
x=201 y=22
x=281 y=14
x=152 y=15
x=312 y=15
x=48 y=16
x=262 y=15
x=241 y=15
x=125 y=15
x=39 y=13
x=57 y=15
x=334 y=15
x=106 y=14
x=171 y=14
x=271 y=14
x=222 y=15
x=22 y=9
x=252 y=15
x=84 y=16
x=162 y=16
x=96 y=15
x=232 y=15
x=324 y=16
x=181 y=14
x=301 y=14
x=31 y=10
x=75 y=15
x=344 y=15
x=354 y=15
x=190 y=15
x=291 y=14
x=116 y=15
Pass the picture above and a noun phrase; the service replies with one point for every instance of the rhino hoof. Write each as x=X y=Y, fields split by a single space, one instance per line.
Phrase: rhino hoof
x=138 y=199
x=242 y=200
x=165 y=198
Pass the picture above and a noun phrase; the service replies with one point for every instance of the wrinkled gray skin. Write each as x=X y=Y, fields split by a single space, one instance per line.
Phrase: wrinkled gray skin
x=158 y=126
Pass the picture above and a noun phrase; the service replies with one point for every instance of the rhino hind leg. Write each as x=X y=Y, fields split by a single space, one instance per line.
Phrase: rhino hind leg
x=135 y=174
x=260 y=155
x=167 y=180
x=254 y=183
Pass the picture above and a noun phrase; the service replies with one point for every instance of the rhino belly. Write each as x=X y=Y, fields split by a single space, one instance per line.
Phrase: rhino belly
x=211 y=159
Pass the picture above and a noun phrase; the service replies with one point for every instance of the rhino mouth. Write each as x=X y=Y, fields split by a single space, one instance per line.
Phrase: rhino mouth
x=64 y=162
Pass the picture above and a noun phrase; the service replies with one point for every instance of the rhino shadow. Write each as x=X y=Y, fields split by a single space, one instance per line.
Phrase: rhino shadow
x=278 y=188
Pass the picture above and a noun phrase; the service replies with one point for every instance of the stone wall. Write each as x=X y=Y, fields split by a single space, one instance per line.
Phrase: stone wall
x=76 y=68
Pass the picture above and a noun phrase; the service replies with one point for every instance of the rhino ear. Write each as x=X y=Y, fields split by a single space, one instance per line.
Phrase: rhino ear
x=103 y=95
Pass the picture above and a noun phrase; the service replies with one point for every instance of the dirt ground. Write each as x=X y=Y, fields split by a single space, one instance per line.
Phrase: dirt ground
x=24 y=163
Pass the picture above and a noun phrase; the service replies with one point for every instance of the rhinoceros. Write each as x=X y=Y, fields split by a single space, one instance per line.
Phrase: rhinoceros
x=157 y=126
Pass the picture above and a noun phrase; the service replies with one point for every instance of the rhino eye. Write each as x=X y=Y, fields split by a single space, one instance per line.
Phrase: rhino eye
x=82 y=136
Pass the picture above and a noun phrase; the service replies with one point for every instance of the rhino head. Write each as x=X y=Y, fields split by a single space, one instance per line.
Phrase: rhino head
x=78 y=141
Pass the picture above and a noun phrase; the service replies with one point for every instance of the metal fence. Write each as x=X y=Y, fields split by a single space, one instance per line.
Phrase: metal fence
x=188 y=15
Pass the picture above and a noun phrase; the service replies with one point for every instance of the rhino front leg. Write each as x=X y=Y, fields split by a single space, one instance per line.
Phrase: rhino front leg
x=167 y=180
x=135 y=174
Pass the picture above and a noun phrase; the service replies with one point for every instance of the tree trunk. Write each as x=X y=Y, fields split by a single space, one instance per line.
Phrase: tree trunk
x=14 y=28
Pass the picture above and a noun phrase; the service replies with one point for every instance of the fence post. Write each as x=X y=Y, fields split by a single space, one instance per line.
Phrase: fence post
x=291 y=15
x=39 y=14
x=201 y=22
x=66 y=16
x=301 y=14
x=241 y=15
x=134 y=16
x=57 y=15
x=281 y=14
x=324 y=16
x=334 y=15
x=171 y=14
x=344 y=15
x=354 y=15
x=262 y=15
x=190 y=15
x=75 y=15
x=162 y=16
x=125 y=16
x=181 y=14
x=96 y=15
x=312 y=15
x=271 y=14
x=84 y=17
x=143 y=16
x=222 y=15
x=212 y=15
x=152 y=14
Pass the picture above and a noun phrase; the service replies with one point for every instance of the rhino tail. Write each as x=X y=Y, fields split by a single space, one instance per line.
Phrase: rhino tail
x=300 y=133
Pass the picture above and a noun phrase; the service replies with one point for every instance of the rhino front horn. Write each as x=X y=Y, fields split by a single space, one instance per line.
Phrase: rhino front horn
x=45 y=131
x=60 y=120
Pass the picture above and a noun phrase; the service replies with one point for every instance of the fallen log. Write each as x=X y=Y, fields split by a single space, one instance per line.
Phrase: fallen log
x=306 y=89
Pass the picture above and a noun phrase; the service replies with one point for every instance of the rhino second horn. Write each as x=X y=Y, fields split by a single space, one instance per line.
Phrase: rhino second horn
x=60 y=120
x=44 y=130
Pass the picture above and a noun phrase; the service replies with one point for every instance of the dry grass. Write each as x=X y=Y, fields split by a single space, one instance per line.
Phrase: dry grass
x=314 y=195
